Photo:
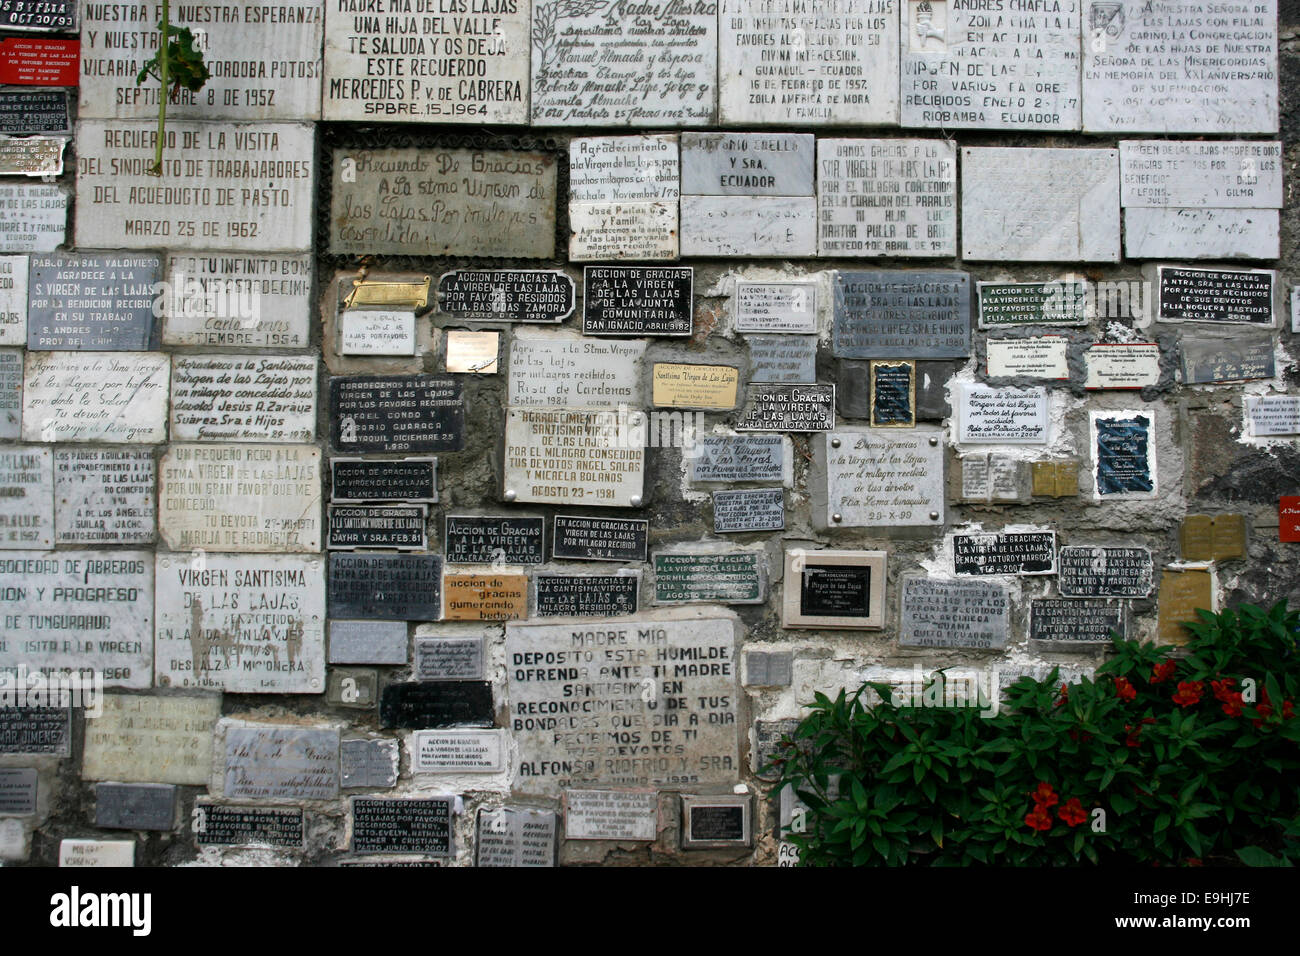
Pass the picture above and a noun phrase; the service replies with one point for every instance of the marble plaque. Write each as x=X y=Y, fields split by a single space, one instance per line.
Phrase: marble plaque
x=236 y=299
x=421 y=826
x=1237 y=357
x=1196 y=173
x=1124 y=454
x=1229 y=296
x=711 y=387
x=495 y=540
x=13 y=300
x=1154 y=233
x=576 y=689
x=834 y=589
x=1007 y=552
x=368 y=764
x=991 y=66
x=1097 y=572
x=26 y=497
x=17 y=791
x=1182 y=593
x=599 y=539
x=747 y=164
x=34 y=111
x=281 y=763
x=787 y=408
x=729 y=577
x=630 y=815
x=11 y=393
x=883 y=479
x=759 y=509
x=240 y=497
x=31 y=155
x=110 y=397
x=387 y=587
x=1034 y=357
x=245 y=186
x=108 y=853
x=354 y=480
x=445 y=658
x=1040 y=205
x=566 y=370
x=135 y=806
x=1075 y=622
x=623 y=194
x=379 y=527
x=1269 y=415
x=104 y=496
x=617 y=64
x=442 y=202
x=516 y=837
x=901 y=315
x=637 y=300
x=1002 y=415
x=1217 y=538
x=367 y=642
x=235 y=399
x=241 y=623
x=1189 y=67
x=458 y=751
x=397 y=413
x=789 y=359
x=572 y=456
x=377 y=332
x=886 y=197
x=71 y=612
x=426 y=63
x=506 y=295
x=950 y=613
x=776 y=307
x=586 y=595
x=645 y=231
x=748 y=226
x=484 y=597
x=1121 y=365
x=474 y=353
x=152 y=739
x=788 y=63
x=36 y=217
x=1032 y=303
x=733 y=458
x=35 y=730
x=221 y=825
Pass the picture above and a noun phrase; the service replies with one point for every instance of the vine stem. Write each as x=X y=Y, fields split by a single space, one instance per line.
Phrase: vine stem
x=162 y=96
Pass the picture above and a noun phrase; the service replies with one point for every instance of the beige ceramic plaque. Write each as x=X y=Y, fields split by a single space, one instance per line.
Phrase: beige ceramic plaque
x=152 y=739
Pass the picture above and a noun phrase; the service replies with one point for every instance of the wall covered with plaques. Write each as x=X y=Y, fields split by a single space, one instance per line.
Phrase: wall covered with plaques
x=498 y=419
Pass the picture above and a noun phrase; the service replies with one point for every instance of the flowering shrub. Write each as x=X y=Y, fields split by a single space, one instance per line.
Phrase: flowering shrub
x=1165 y=758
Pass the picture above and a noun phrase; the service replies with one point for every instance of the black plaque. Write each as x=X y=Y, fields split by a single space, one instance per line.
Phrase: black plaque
x=55 y=16
x=386 y=587
x=788 y=408
x=717 y=823
x=102 y=301
x=425 y=705
x=1106 y=572
x=1076 y=621
x=395 y=413
x=35 y=730
x=1023 y=552
x=892 y=391
x=399 y=527
x=484 y=539
x=1123 y=462
x=1216 y=295
x=38 y=110
x=379 y=479
x=506 y=295
x=238 y=826
x=585 y=595
x=907 y=315
x=135 y=806
x=396 y=825
x=835 y=590
x=599 y=539
x=637 y=300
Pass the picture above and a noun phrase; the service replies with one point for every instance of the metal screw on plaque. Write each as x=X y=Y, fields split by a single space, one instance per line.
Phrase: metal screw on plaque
x=635 y=501
x=934 y=440
x=510 y=494
x=837 y=518
x=934 y=516
x=835 y=443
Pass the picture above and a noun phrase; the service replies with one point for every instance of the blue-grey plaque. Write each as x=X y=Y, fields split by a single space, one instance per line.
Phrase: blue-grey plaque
x=387 y=587
x=899 y=314
x=93 y=301
x=135 y=806
x=367 y=642
x=17 y=791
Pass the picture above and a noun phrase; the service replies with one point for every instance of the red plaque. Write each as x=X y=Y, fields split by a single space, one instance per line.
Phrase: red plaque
x=35 y=61
x=1288 y=517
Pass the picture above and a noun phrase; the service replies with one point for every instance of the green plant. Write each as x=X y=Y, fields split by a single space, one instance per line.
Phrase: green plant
x=178 y=64
x=1160 y=759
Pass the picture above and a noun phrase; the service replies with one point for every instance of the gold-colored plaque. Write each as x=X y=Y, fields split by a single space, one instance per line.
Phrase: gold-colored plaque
x=484 y=597
x=1181 y=594
x=473 y=352
x=1217 y=538
x=1055 y=479
x=695 y=386
x=374 y=293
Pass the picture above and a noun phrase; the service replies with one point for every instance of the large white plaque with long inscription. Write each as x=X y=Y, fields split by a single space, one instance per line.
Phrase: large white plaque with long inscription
x=574 y=456
x=95 y=397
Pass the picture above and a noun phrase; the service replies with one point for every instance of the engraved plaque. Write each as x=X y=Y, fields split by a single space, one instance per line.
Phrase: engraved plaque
x=397 y=413
x=104 y=496
x=572 y=456
x=942 y=613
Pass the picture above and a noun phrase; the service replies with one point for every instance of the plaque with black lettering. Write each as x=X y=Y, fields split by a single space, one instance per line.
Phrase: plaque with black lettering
x=54 y=16
x=599 y=539
x=787 y=408
x=33 y=111
x=93 y=302
x=506 y=295
x=396 y=825
x=1238 y=296
x=1075 y=621
x=484 y=539
x=428 y=704
x=759 y=509
x=242 y=826
x=397 y=413
x=393 y=527
x=1027 y=552
x=585 y=595
x=838 y=590
x=386 y=587
x=637 y=300
x=35 y=730
x=354 y=480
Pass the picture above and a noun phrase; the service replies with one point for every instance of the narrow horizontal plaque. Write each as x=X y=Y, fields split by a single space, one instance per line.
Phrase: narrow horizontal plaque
x=776 y=307
x=731 y=458
x=1098 y=572
x=483 y=539
x=1240 y=356
x=34 y=111
x=637 y=300
x=760 y=509
x=388 y=587
x=1240 y=296
x=397 y=413
x=506 y=295
x=1022 y=552
x=787 y=408
x=402 y=825
x=738 y=577
x=1075 y=621
x=459 y=703
x=135 y=806
x=36 y=731
x=109 y=853
x=749 y=226
x=1059 y=302
x=221 y=825
x=32 y=155
x=747 y=164
x=710 y=387
x=585 y=595
x=458 y=751
x=599 y=539
x=1038 y=356
x=367 y=642
x=1196 y=173
x=374 y=479
x=360 y=527
x=910 y=315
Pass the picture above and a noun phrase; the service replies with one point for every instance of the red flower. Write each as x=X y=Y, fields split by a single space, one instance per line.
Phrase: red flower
x=1232 y=705
x=1073 y=813
x=1288 y=710
x=1194 y=861
x=1223 y=689
x=1189 y=693
x=1132 y=739
x=1044 y=796
x=1124 y=689
x=1065 y=695
x=1163 y=671
x=1040 y=819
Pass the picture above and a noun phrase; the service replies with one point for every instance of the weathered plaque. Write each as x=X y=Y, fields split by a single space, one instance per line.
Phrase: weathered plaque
x=749 y=226
x=1164 y=233
x=484 y=539
x=776 y=307
x=788 y=359
x=1054 y=479
x=1238 y=296
x=263 y=63
x=241 y=623
x=901 y=315
x=1040 y=204
x=448 y=658
x=77 y=612
x=380 y=479
x=220 y=825
x=1022 y=552
x=17 y=791
x=945 y=613
x=510 y=836
x=26 y=497
x=716 y=821
x=991 y=66
x=389 y=587
x=572 y=456
x=1038 y=356
x=281 y=763
x=1212 y=538
x=1238 y=356
x=135 y=806
x=11 y=393
x=235 y=398
x=1003 y=415
x=245 y=186
x=506 y=295
x=575 y=691
x=747 y=164
x=442 y=202
x=611 y=815
x=678 y=385
x=599 y=539
x=1075 y=621
x=397 y=413
x=399 y=527
x=727 y=577
x=834 y=589
x=1058 y=302
x=1182 y=593
x=1121 y=365
x=237 y=299
x=35 y=731
x=759 y=509
x=402 y=825
x=787 y=408
x=637 y=300
x=1097 y=572
x=446 y=703
x=893 y=394
x=484 y=597
x=149 y=739
x=36 y=217
x=110 y=397
x=377 y=332
x=1194 y=173
x=104 y=496
x=731 y=458
x=32 y=155
x=109 y=853
x=458 y=751
x=367 y=642
x=34 y=111
x=769 y=737
x=1268 y=415
x=585 y=595
x=356 y=687
x=790 y=64
x=994 y=478
x=623 y=194
x=1188 y=67
x=1124 y=454
x=368 y=764
x=13 y=300
x=883 y=479
x=769 y=668
x=240 y=497
x=475 y=353
x=427 y=63
x=568 y=370
x=886 y=197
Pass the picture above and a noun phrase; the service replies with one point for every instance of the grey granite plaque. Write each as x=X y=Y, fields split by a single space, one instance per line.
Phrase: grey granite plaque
x=236 y=398
x=377 y=527
x=495 y=540
x=1098 y=572
x=769 y=668
x=104 y=496
x=1228 y=296
x=727 y=577
x=787 y=408
x=26 y=497
x=447 y=658
x=368 y=764
x=93 y=302
x=35 y=730
x=882 y=478
x=17 y=791
x=237 y=300
x=36 y=217
x=942 y=613
x=747 y=164
x=422 y=825
x=390 y=587
x=1007 y=552
x=1241 y=356
x=1075 y=622
x=731 y=458
x=282 y=763
x=514 y=837
x=367 y=642
x=759 y=509
x=135 y=806
x=790 y=359
x=221 y=825
x=901 y=315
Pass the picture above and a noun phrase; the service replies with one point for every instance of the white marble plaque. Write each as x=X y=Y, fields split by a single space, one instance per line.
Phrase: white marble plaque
x=1016 y=416
x=377 y=332
x=567 y=370
x=13 y=298
x=237 y=299
x=1182 y=173
x=151 y=739
x=749 y=226
x=11 y=392
x=1040 y=205
x=1034 y=357
x=109 y=397
x=448 y=657
x=104 y=496
x=638 y=231
x=1194 y=66
x=623 y=197
x=245 y=186
x=263 y=61
x=458 y=751
x=237 y=398
x=788 y=63
x=35 y=217
x=1153 y=233
x=747 y=164
x=991 y=65
x=110 y=853
x=26 y=497
x=776 y=307
x=574 y=456
x=1273 y=415
x=241 y=623
x=1121 y=365
x=883 y=478
x=611 y=815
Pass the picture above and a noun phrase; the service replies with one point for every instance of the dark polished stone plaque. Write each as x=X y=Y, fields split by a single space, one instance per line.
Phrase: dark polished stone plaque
x=599 y=539
x=387 y=587
x=237 y=826
x=380 y=479
x=56 y=16
x=34 y=110
x=396 y=413
x=909 y=315
x=585 y=595
x=1075 y=621
x=397 y=527
x=506 y=295
x=485 y=539
x=35 y=730
x=429 y=704
x=402 y=825
x=788 y=408
x=135 y=806
x=835 y=591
